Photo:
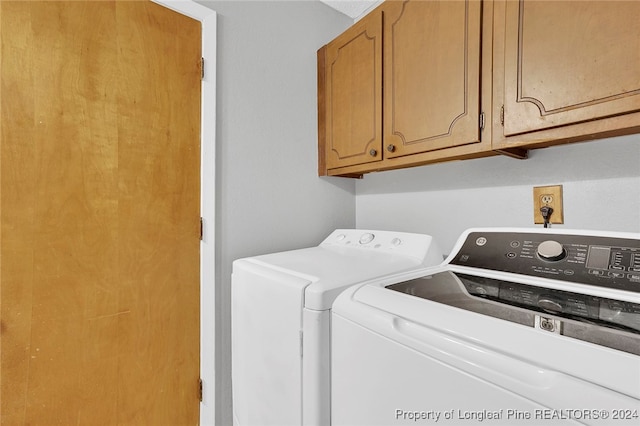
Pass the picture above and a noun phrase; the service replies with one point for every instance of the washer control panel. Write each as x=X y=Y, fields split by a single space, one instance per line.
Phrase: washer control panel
x=601 y=261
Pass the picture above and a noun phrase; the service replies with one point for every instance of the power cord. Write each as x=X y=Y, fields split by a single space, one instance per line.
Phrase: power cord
x=546 y=212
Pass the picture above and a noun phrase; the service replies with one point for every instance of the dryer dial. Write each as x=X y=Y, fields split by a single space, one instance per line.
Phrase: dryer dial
x=366 y=238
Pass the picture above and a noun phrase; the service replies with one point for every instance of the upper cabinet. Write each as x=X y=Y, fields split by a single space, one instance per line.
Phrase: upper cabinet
x=415 y=81
x=352 y=64
x=403 y=87
x=431 y=75
x=571 y=70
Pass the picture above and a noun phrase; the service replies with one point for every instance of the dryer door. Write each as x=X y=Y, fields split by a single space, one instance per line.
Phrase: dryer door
x=266 y=316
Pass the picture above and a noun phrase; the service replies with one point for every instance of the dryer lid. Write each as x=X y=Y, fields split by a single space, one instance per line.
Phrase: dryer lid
x=351 y=256
x=329 y=270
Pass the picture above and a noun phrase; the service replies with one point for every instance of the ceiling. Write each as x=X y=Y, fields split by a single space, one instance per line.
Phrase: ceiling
x=355 y=9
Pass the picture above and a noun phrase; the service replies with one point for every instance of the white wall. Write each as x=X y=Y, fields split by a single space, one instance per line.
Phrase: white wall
x=600 y=179
x=269 y=197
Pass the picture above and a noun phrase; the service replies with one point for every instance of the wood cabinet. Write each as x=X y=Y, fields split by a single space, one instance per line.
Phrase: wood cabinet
x=565 y=71
x=403 y=87
x=413 y=82
x=431 y=75
x=352 y=64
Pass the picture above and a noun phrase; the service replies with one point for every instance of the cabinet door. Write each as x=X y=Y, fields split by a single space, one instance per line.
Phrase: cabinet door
x=431 y=75
x=569 y=62
x=353 y=94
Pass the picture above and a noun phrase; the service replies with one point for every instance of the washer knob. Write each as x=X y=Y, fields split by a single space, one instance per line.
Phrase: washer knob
x=551 y=250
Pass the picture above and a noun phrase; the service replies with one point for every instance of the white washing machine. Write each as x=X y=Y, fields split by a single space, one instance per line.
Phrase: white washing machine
x=516 y=327
x=280 y=319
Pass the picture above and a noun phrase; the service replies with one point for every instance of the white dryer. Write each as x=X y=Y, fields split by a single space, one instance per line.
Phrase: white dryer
x=516 y=327
x=280 y=319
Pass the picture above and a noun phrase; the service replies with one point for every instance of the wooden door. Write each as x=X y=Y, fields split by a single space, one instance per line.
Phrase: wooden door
x=569 y=62
x=431 y=75
x=353 y=94
x=99 y=223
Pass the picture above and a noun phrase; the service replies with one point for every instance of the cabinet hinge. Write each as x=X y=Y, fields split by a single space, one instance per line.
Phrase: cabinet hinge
x=202 y=68
x=502 y=115
x=200 y=389
x=201 y=229
x=482 y=121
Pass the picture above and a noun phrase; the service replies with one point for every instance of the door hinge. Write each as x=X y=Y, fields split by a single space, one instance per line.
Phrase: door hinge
x=202 y=68
x=482 y=121
x=502 y=115
x=200 y=389
x=201 y=229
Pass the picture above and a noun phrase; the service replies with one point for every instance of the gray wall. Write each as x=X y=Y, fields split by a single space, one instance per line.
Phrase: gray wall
x=269 y=197
x=600 y=179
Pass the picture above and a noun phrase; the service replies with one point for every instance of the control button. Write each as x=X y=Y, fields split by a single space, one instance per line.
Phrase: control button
x=366 y=238
x=481 y=241
x=511 y=255
x=634 y=277
x=616 y=274
x=396 y=241
x=617 y=268
x=569 y=272
x=515 y=244
x=551 y=250
x=595 y=272
x=341 y=237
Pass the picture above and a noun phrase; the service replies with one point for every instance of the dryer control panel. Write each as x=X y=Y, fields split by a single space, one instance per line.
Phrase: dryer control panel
x=594 y=260
x=420 y=246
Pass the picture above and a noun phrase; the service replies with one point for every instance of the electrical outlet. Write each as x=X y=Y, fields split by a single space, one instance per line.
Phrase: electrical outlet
x=548 y=196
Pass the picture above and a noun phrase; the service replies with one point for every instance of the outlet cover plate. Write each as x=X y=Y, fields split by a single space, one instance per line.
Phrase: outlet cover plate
x=551 y=196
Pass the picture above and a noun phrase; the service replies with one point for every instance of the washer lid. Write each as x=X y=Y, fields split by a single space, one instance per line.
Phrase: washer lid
x=399 y=317
x=606 y=322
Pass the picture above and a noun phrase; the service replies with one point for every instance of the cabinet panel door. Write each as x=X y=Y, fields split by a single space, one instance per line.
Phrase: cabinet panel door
x=568 y=62
x=354 y=94
x=431 y=75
